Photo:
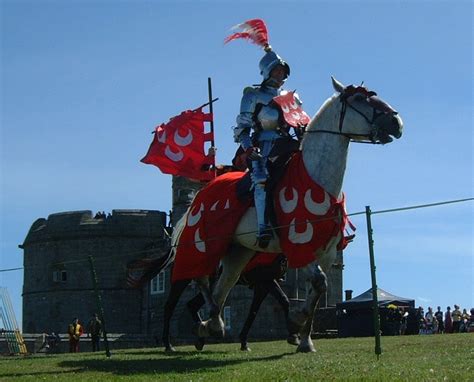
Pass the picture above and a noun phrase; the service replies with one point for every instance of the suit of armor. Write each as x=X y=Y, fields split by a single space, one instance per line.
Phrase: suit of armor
x=259 y=126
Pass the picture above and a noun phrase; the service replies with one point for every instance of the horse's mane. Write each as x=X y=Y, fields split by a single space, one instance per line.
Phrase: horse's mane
x=322 y=108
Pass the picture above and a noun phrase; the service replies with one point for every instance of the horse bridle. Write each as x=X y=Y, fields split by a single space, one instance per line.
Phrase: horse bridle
x=379 y=108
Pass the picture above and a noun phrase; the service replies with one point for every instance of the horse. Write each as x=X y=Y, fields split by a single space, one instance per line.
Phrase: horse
x=351 y=114
x=263 y=279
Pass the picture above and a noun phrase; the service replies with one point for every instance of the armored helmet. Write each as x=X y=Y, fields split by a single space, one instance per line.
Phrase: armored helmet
x=269 y=61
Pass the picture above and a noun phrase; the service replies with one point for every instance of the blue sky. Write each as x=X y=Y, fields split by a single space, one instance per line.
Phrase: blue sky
x=83 y=83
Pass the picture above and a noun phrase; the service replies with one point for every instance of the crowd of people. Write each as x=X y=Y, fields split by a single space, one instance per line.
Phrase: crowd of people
x=406 y=320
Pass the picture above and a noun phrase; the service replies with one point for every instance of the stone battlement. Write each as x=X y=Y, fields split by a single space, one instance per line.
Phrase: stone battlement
x=80 y=224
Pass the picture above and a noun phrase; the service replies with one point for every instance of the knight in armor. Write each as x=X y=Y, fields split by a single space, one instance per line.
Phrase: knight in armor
x=262 y=130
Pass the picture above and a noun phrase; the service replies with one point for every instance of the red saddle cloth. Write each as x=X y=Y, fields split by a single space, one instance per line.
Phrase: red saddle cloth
x=308 y=217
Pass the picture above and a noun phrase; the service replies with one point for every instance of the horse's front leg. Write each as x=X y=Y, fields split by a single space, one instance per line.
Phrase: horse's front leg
x=282 y=298
x=177 y=289
x=318 y=286
x=232 y=266
x=260 y=291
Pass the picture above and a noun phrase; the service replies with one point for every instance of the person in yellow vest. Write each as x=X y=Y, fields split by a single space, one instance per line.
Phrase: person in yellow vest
x=75 y=331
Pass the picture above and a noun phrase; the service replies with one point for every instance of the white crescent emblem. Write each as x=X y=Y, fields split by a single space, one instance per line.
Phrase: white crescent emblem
x=318 y=209
x=162 y=136
x=285 y=108
x=193 y=219
x=300 y=238
x=175 y=157
x=183 y=141
x=288 y=206
x=199 y=243
x=294 y=105
x=214 y=206
x=227 y=205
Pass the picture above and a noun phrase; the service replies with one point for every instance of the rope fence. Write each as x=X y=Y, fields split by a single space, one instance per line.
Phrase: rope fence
x=146 y=251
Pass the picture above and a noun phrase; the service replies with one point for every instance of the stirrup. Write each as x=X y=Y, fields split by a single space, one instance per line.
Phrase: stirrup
x=264 y=239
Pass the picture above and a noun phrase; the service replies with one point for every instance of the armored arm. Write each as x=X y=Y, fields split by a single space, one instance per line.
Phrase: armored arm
x=245 y=119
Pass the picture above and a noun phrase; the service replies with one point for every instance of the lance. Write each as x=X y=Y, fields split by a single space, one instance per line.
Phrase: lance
x=211 y=101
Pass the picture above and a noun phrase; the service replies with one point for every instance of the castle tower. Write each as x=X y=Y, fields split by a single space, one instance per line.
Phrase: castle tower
x=57 y=274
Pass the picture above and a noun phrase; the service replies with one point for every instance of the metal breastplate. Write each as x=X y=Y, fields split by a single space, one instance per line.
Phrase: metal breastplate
x=268 y=118
x=269 y=114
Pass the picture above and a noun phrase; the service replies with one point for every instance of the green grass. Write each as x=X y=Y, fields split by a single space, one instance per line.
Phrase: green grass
x=410 y=358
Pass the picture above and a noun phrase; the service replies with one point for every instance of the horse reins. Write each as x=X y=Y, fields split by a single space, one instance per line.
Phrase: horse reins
x=371 y=137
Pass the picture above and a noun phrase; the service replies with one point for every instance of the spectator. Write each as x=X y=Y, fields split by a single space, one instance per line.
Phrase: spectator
x=429 y=320
x=420 y=315
x=94 y=328
x=464 y=321
x=448 y=321
x=75 y=331
x=439 y=318
x=403 y=321
x=393 y=319
x=470 y=326
x=457 y=317
x=50 y=342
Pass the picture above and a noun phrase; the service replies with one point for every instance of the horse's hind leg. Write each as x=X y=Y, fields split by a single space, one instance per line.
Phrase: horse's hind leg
x=177 y=289
x=260 y=291
x=276 y=291
x=193 y=306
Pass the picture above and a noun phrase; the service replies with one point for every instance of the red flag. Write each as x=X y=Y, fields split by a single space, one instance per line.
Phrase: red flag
x=178 y=146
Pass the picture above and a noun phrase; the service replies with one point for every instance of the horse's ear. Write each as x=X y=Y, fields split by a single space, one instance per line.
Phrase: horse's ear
x=339 y=87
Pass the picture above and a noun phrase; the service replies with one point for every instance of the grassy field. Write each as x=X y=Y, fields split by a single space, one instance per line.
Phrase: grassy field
x=410 y=358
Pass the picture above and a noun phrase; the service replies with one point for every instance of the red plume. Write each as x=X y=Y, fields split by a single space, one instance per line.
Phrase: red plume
x=255 y=30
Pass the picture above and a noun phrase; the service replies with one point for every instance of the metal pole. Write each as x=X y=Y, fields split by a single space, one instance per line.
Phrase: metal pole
x=99 y=305
x=211 y=111
x=209 y=89
x=375 y=303
x=6 y=317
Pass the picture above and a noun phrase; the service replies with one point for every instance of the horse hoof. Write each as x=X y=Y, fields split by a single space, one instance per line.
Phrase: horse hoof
x=201 y=330
x=199 y=343
x=305 y=349
x=244 y=347
x=170 y=349
x=217 y=333
x=293 y=339
x=216 y=328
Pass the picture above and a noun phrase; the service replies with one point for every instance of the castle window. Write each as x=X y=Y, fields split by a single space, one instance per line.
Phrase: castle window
x=227 y=317
x=157 y=284
x=60 y=276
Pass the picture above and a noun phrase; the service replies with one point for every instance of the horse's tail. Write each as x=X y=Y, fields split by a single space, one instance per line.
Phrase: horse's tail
x=142 y=271
x=168 y=259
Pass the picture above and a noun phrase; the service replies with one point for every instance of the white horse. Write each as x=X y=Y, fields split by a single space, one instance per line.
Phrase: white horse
x=351 y=114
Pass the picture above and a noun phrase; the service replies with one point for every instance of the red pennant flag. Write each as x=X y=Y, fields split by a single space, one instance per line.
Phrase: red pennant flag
x=178 y=146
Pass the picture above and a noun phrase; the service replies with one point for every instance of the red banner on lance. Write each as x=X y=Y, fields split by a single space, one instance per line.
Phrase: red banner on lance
x=178 y=146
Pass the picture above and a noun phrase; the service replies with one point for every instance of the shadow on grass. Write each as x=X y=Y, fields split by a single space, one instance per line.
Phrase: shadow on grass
x=178 y=353
x=181 y=362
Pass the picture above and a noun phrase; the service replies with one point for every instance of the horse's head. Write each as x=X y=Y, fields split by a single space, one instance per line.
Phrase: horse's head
x=364 y=117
